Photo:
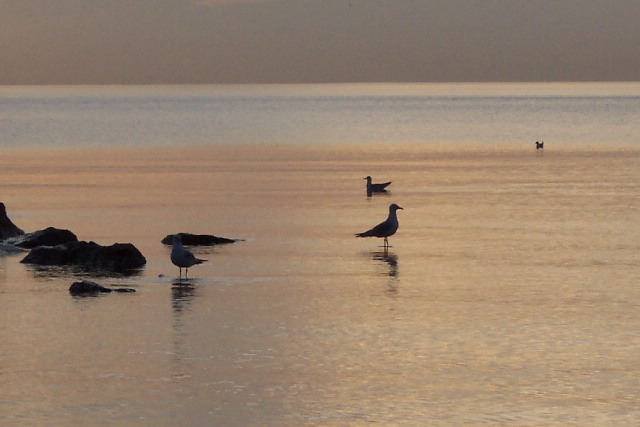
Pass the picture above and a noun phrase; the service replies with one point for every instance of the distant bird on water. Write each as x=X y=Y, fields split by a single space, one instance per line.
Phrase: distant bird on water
x=376 y=188
x=181 y=257
x=386 y=228
x=539 y=145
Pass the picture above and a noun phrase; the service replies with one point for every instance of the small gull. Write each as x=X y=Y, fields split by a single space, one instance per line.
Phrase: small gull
x=376 y=188
x=386 y=228
x=181 y=257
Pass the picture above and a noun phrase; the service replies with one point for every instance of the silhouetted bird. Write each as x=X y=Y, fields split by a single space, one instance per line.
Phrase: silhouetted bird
x=181 y=257
x=539 y=145
x=376 y=188
x=386 y=228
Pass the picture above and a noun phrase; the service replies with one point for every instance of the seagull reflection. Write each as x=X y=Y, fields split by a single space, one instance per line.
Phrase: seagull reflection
x=390 y=259
x=182 y=293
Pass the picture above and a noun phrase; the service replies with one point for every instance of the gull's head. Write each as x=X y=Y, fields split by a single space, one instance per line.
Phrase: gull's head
x=394 y=207
x=368 y=178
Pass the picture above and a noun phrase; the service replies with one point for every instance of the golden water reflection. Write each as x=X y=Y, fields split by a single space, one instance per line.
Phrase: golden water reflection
x=509 y=295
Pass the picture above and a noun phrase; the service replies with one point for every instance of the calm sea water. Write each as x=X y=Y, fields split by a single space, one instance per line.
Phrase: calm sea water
x=509 y=297
x=514 y=114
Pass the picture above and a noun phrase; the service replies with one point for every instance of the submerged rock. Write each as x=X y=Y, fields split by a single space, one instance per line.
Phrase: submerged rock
x=88 y=287
x=9 y=250
x=198 y=239
x=7 y=228
x=50 y=236
x=118 y=257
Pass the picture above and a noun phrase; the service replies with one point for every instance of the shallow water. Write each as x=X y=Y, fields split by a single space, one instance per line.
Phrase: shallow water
x=509 y=295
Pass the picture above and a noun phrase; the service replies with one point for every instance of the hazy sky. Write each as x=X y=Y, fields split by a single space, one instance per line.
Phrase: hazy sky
x=279 y=41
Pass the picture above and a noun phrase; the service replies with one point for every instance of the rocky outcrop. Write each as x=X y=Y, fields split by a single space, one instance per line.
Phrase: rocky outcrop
x=189 y=239
x=48 y=237
x=7 y=228
x=119 y=257
x=87 y=287
x=57 y=247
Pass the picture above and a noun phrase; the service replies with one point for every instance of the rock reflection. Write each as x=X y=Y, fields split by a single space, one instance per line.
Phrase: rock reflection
x=47 y=272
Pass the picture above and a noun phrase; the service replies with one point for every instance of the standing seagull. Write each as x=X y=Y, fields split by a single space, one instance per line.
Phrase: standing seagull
x=386 y=228
x=181 y=257
x=376 y=188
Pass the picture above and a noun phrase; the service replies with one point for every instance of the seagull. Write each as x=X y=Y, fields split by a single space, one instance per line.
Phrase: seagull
x=539 y=145
x=181 y=257
x=386 y=228
x=376 y=188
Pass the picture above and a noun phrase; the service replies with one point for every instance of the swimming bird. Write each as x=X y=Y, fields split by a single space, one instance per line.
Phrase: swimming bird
x=181 y=257
x=386 y=228
x=376 y=188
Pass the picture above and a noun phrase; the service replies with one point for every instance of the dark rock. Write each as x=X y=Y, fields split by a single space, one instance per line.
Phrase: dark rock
x=118 y=257
x=7 y=228
x=198 y=239
x=88 y=287
x=48 y=237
